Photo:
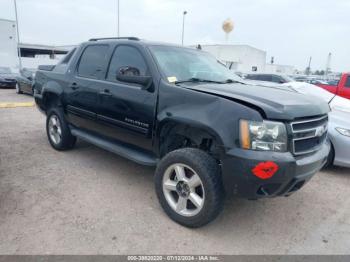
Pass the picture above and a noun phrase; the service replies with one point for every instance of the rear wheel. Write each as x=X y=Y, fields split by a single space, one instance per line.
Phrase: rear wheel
x=58 y=131
x=189 y=187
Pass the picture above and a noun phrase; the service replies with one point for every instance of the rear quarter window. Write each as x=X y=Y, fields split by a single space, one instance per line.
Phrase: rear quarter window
x=67 y=57
x=93 y=61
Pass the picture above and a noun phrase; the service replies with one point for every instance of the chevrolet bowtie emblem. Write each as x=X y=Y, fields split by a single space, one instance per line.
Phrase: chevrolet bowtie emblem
x=320 y=130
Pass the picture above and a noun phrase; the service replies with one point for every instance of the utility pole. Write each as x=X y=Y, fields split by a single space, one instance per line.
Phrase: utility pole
x=118 y=17
x=308 y=69
x=183 y=26
x=18 y=48
x=328 y=65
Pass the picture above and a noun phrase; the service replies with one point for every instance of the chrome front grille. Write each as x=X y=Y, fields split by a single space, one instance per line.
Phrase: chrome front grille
x=309 y=134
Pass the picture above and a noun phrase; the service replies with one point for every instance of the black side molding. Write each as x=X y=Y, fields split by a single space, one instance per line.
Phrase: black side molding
x=135 y=154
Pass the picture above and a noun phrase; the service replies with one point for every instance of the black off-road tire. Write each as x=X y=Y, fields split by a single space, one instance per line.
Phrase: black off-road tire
x=67 y=139
x=209 y=172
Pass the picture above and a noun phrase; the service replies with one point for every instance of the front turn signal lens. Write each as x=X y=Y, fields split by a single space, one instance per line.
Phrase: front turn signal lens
x=244 y=133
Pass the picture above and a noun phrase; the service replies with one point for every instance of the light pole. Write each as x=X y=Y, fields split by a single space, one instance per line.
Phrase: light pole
x=118 y=16
x=308 y=71
x=18 y=48
x=183 y=26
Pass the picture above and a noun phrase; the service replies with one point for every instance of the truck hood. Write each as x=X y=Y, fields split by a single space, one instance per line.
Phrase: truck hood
x=277 y=102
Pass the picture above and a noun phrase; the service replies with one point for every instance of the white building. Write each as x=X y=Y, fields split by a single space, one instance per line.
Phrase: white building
x=8 y=44
x=242 y=58
x=246 y=59
x=32 y=55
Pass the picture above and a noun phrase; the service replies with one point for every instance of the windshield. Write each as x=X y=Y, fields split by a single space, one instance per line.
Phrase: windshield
x=5 y=70
x=181 y=64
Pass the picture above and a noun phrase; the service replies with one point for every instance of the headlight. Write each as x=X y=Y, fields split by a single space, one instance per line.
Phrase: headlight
x=264 y=136
x=343 y=131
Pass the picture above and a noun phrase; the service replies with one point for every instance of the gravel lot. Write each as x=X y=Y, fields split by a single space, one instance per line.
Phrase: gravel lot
x=89 y=201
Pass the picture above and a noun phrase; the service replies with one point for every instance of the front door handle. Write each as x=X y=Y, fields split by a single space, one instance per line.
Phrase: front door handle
x=106 y=92
x=74 y=86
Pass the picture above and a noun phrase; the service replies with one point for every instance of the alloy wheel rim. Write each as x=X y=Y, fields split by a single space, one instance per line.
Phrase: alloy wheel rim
x=55 y=130
x=183 y=190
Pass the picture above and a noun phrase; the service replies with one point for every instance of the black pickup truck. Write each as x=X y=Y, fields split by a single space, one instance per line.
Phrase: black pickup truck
x=207 y=132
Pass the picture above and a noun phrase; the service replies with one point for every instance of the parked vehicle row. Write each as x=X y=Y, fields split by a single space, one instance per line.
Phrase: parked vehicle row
x=22 y=82
x=208 y=132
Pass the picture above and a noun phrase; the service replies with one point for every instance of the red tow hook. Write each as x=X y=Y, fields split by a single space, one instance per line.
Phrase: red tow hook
x=265 y=170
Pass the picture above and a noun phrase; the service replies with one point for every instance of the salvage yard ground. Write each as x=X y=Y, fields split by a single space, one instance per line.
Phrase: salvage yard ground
x=89 y=201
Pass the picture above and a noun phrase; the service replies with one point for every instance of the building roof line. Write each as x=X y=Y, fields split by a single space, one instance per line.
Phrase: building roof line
x=38 y=46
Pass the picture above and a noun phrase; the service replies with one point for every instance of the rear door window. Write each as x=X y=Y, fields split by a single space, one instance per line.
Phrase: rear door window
x=67 y=57
x=93 y=61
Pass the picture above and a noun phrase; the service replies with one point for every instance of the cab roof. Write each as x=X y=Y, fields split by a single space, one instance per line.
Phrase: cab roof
x=131 y=39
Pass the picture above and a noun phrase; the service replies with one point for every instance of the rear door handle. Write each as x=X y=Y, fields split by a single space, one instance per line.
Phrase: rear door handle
x=74 y=86
x=106 y=92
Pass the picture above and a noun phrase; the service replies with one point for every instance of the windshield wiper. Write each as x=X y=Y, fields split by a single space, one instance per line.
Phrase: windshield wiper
x=198 y=80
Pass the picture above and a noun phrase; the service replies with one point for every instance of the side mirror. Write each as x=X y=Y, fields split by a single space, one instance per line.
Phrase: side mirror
x=130 y=74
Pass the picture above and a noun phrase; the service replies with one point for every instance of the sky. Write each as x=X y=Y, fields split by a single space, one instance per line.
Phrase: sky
x=289 y=30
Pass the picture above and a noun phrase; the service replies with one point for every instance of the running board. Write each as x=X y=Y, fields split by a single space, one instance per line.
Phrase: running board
x=137 y=155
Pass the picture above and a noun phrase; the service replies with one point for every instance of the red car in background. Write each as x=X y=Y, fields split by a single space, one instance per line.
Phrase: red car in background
x=342 y=88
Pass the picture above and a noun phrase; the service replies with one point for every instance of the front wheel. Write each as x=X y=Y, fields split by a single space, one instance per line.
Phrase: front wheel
x=189 y=187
